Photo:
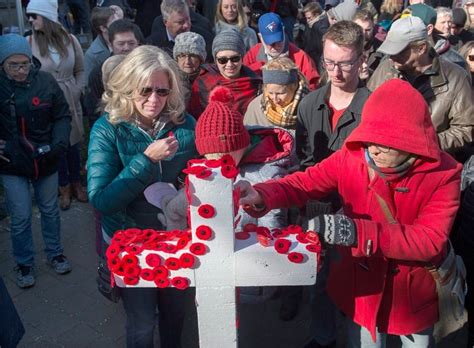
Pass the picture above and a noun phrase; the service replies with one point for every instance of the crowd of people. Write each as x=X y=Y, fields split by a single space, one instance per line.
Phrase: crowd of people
x=354 y=118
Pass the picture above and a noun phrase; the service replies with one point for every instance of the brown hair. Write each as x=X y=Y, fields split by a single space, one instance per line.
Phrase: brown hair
x=346 y=33
x=314 y=8
x=100 y=17
x=52 y=34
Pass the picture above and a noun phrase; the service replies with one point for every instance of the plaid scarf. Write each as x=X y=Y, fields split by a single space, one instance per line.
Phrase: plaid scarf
x=285 y=116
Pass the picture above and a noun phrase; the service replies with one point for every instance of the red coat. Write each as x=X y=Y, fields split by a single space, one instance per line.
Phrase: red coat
x=255 y=58
x=385 y=285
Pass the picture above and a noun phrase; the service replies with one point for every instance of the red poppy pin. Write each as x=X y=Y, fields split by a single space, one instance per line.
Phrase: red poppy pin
x=206 y=211
x=203 y=232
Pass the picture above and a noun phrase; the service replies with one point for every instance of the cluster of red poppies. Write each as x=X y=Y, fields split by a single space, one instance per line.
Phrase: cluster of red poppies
x=278 y=238
x=123 y=255
x=200 y=167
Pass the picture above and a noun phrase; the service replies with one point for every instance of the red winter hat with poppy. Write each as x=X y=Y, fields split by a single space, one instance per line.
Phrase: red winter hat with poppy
x=220 y=129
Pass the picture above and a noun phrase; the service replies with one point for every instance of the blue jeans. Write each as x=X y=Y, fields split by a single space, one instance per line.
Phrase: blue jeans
x=70 y=166
x=358 y=336
x=140 y=307
x=19 y=205
x=323 y=311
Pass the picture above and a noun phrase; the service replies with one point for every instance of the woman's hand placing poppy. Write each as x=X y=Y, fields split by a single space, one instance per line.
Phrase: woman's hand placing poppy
x=162 y=149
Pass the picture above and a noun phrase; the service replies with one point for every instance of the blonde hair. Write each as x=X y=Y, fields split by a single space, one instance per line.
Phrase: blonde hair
x=132 y=74
x=241 y=16
x=109 y=65
x=392 y=7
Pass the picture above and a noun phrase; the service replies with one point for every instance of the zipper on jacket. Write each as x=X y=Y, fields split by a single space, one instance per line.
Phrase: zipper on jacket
x=32 y=148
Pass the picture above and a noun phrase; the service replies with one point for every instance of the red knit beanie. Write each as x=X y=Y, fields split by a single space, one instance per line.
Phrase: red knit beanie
x=220 y=129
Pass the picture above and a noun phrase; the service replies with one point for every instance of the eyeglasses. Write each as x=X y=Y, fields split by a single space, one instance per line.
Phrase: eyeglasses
x=470 y=57
x=162 y=92
x=344 y=66
x=186 y=56
x=380 y=148
x=224 y=60
x=31 y=15
x=19 y=66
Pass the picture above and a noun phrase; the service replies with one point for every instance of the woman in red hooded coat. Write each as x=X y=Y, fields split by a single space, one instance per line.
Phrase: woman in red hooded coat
x=379 y=279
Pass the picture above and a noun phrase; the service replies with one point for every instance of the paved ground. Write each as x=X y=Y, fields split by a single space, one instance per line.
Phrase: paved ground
x=67 y=311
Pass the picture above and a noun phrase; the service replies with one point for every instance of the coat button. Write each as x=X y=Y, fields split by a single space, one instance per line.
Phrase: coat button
x=395 y=270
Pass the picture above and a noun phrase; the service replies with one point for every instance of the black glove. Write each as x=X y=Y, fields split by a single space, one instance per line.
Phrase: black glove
x=336 y=229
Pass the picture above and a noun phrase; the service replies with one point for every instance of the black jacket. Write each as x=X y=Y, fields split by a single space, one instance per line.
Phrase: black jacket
x=199 y=25
x=315 y=139
x=33 y=114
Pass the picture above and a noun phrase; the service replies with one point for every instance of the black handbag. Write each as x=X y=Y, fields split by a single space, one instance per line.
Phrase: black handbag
x=112 y=293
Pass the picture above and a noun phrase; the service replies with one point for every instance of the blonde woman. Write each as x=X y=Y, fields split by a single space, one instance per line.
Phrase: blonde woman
x=284 y=86
x=61 y=55
x=143 y=137
x=230 y=14
x=390 y=11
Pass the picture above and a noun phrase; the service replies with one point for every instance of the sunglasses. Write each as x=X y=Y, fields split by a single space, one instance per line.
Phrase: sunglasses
x=224 y=60
x=31 y=15
x=470 y=57
x=162 y=92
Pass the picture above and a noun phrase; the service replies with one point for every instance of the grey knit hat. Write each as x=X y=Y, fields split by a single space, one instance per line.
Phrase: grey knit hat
x=345 y=11
x=228 y=40
x=11 y=44
x=190 y=43
x=44 y=8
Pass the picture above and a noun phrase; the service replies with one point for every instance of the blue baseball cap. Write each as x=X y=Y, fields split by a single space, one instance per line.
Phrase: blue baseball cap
x=271 y=28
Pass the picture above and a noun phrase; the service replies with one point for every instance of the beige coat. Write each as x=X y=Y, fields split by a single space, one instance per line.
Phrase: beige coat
x=449 y=100
x=254 y=114
x=69 y=74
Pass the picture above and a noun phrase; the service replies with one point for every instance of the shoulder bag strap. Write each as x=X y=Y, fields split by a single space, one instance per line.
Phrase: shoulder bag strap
x=388 y=215
x=382 y=203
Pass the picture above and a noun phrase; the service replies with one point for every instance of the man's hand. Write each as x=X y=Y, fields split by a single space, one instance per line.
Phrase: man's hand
x=249 y=197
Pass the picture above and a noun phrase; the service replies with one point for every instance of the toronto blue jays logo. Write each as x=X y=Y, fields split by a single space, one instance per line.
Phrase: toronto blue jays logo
x=271 y=26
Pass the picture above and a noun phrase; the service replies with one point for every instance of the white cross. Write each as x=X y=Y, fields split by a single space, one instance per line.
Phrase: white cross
x=229 y=263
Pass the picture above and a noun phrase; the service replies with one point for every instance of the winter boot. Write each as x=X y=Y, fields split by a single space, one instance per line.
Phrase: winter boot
x=79 y=192
x=65 y=197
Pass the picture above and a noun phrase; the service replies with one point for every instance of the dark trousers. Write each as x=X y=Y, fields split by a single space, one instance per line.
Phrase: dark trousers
x=80 y=13
x=11 y=327
x=70 y=165
x=141 y=307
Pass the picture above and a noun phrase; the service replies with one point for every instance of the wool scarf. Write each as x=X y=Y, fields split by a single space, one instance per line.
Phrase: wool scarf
x=390 y=174
x=285 y=116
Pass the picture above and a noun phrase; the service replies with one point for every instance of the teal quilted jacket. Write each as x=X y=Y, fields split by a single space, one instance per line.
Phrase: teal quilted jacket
x=118 y=172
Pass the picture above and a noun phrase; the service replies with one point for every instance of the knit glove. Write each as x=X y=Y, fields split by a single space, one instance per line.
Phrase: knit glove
x=336 y=229
x=174 y=209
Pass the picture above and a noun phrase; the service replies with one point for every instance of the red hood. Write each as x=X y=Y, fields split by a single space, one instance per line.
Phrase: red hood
x=275 y=144
x=397 y=116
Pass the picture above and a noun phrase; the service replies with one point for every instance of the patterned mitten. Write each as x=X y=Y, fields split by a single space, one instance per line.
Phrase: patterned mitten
x=336 y=229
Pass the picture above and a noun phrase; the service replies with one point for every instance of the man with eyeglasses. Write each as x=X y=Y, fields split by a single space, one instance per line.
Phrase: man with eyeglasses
x=35 y=128
x=444 y=85
x=326 y=117
x=124 y=36
x=274 y=43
